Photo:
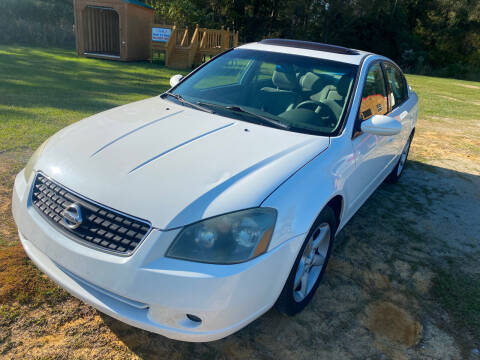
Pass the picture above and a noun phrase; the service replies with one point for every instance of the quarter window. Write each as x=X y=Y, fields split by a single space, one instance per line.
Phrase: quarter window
x=374 y=96
x=396 y=84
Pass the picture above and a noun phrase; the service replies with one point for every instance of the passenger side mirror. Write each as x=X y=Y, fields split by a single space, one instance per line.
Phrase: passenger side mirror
x=381 y=125
x=175 y=79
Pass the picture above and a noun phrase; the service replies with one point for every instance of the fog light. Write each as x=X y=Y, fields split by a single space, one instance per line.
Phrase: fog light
x=194 y=318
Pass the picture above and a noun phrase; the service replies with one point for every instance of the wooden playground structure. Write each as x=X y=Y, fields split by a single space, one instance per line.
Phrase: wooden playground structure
x=124 y=30
x=185 y=49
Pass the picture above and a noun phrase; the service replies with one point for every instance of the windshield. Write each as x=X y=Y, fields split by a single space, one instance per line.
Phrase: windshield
x=293 y=92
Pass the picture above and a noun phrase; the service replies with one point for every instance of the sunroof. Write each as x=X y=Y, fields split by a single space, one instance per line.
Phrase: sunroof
x=310 y=46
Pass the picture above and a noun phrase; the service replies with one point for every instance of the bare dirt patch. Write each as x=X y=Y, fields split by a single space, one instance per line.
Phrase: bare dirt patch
x=468 y=86
x=389 y=321
x=449 y=144
x=10 y=165
x=450 y=98
x=21 y=281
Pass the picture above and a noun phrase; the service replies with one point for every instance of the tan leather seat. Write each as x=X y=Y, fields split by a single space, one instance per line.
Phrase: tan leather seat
x=334 y=92
x=284 y=95
x=334 y=95
x=311 y=82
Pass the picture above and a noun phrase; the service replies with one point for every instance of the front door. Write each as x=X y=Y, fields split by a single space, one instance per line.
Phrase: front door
x=370 y=151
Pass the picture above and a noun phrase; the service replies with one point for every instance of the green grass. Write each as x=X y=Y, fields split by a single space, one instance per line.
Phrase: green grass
x=8 y=315
x=43 y=90
x=459 y=294
x=446 y=98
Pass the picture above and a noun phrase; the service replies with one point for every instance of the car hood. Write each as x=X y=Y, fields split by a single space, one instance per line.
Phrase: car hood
x=174 y=165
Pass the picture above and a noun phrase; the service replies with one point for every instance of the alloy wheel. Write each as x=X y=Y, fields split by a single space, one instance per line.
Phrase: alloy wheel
x=312 y=262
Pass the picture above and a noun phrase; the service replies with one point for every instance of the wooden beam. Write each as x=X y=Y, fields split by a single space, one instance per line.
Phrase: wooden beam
x=204 y=39
x=225 y=38
x=193 y=53
x=171 y=44
x=184 y=42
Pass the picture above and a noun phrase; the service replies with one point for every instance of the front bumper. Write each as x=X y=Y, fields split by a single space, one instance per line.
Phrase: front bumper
x=149 y=291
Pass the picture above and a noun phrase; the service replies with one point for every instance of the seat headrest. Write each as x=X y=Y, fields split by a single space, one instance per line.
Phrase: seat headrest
x=343 y=85
x=284 y=78
x=311 y=82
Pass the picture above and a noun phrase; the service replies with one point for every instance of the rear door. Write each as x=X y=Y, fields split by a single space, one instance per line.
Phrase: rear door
x=399 y=106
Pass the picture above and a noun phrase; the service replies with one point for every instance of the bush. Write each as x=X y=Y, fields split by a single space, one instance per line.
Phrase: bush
x=37 y=22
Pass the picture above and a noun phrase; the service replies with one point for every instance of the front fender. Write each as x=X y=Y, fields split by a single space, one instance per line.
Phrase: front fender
x=303 y=196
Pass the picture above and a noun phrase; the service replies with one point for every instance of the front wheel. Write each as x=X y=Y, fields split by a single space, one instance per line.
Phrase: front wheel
x=309 y=266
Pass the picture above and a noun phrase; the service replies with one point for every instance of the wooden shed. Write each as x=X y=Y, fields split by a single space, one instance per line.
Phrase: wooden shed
x=113 y=29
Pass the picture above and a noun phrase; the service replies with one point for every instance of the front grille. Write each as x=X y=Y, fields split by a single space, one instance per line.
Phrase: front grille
x=100 y=227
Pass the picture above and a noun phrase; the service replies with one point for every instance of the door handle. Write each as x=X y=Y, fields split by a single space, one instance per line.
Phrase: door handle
x=403 y=115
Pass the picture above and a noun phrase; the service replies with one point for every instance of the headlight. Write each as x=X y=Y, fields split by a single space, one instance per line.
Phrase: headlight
x=226 y=239
x=33 y=160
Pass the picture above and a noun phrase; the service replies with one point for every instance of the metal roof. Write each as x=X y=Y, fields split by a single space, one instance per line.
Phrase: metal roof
x=310 y=45
x=354 y=59
x=139 y=3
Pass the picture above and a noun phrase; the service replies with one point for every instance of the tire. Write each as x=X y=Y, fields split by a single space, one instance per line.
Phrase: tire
x=397 y=171
x=295 y=294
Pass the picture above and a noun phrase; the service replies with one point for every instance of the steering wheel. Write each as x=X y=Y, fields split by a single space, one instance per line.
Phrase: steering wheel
x=310 y=105
x=323 y=112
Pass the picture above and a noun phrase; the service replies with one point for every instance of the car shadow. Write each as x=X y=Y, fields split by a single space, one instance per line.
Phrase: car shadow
x=396 y=237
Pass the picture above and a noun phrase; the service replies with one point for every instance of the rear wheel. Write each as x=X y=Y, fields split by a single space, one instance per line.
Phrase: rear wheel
x=398 y=169
x=309 y=266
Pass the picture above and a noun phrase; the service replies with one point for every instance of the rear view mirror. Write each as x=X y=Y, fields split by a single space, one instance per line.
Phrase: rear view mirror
x=381 y=125
x=175 y=79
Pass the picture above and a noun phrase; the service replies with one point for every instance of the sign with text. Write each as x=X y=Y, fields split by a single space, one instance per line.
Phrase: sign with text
x=161 y=34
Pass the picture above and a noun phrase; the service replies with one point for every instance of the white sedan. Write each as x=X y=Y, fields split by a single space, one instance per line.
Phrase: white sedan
x=192 y=213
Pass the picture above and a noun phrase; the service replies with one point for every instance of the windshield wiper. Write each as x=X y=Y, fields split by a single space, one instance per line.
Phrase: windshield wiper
x=240 y=109
x=184 y=101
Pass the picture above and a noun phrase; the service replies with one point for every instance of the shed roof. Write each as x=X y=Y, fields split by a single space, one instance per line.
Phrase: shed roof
x=139 y=3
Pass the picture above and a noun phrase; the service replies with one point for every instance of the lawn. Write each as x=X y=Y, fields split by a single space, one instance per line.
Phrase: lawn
x=403 y=281
x=43 y=91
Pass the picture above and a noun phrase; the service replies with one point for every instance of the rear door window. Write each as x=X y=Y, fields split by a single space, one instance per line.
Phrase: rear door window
x=397 y=85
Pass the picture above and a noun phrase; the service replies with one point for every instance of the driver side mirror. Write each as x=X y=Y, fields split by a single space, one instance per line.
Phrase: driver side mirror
x=175 y=79
x=381 y=125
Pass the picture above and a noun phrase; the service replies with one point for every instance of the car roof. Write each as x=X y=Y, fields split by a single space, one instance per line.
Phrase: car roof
x=311 y=49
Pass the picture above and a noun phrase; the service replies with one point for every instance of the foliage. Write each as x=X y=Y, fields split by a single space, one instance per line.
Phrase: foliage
x=39 y=22
x=425 y=36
